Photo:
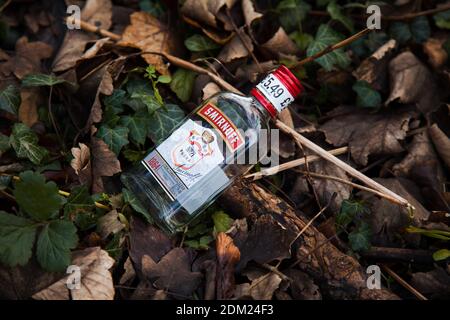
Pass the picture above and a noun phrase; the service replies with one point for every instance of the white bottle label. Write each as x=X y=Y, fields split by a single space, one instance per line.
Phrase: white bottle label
x=188 y=155
x=275 y=92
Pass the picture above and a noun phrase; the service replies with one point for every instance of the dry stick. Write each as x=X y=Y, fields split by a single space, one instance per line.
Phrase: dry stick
x=298 y=137
x=292 y=164
x=381 y=190
x=405 y=284
x=94 y=29
x=7 y=3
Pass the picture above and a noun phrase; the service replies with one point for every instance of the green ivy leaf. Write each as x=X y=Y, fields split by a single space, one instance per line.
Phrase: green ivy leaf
x=420 y=29
x=137 y=126
x=142 y=96
x=182 y=83
x=41 y=80
x=442 y=254
x=302 y=40
x=400 y=31
x=10 y=99
x=292 y=13
x=25 y=143
x=115 y=138
x=4 y=143
x=367 y=97
x=115 y=101
x=199 y=43
x=79 y=202
x=17 y=237
x=164 y=79
x=222 y=221
x=130 y=198
x=5 y=181
x=442 y=19
x=202 y=243
x=163 y=121
x=325 y=37
x=39 y=199
x=54 y=244
x=336 y=13
x=348 y=212
x=360 y=238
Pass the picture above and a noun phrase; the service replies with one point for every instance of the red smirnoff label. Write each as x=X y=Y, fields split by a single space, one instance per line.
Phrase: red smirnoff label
x=215 y=117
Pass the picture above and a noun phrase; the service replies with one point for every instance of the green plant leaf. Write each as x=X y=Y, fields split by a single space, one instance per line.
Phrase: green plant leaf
x=367 y=97
x=115 y=101
x=360 y=238
x=199 y=43
x=442 y=254
x=182 y=83
x=163 y=121
x=10 y=99
x=142 y=96
x=292 y=13
x=420 y=29
x=41 y=80
x=115 y=138
x=130 y=198
x=54 y=244
x=442 y=19
x=17 y=237
x=5 y=181
x=25 y=142
x=325 y=37
x=137 y=126
x=39 y=199
x=4 y=143
x=400 y=31
x=349 y=210
x=222 y=221
x=302 y=40
x=202 y=243
x=79 y=202
x=336 y=13
x=164 y=79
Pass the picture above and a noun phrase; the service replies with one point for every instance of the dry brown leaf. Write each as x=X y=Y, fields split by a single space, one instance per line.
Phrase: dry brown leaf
x=104 y=163
x=109 y=224
x=280 y=43
x=434 y=284
x=302 y=286
x=96 y=279
x=412 y=82
x=250 y=72
x=206 y=11
x=441 y=143
x=148 y=34
x=105 y=87
x=374 y=69
x=28 y=112
x=129 y=274
x=96 y=12
x=286 y=144
x=236 y=49
x=27 y=58
x=250 y=13
x=210 y=89
x=227 y=257
x=261 y=288
x=435 y=52
x=367 y=133
x=81 y=163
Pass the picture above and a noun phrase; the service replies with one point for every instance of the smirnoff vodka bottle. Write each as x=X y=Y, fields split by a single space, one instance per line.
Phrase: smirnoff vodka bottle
x=185 y=173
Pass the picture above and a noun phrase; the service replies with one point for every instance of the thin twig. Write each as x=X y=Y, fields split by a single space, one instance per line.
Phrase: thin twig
x=94 y=29
x=292 y=164
x=404 y=284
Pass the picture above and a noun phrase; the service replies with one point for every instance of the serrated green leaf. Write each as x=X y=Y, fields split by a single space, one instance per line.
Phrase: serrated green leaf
x=10 y=99
x=163 y=121
x=199 y=43
x=39 y=199
x=336 y=13
x=442 y=254
x=359 y=239
x=292 y=13
x=17 y=237
x=222 y=221
x=116 y=138
x=182 y=83
x=54 y=244
x=442 y=19
x=25 y=142
x=367 y=97
x=41 y=80
x=130 y=198
x=325 y=37
x=137 y=126
x=79 y=202
x=420 y=29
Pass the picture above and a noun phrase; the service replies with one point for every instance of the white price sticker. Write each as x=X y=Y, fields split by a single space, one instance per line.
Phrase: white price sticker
x=274 y=91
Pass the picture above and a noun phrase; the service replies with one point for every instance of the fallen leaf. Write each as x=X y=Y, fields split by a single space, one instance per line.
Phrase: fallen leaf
x=105 y=87
x=374 y=70
x=206 y=12
x=96 y=281
x=236 y=49
x=441 y=143
x=104 y=163
x=145 y=239
x=129 y=274
x=286 y=147
x=148 y=34
x=27 y=58
x=412 y=82
x=109 y=224
x=28 y=113
x=261 y=288
x=280 y=43
x=227 y=257
x=250 y=13
x=81 y=163
x=267 y=241
x=96 y=12
x=367 y=133
x=250 y=72
x=437 y=56
x=172 y=273
x=210 y=89
x=435 y=283
x=302 y=286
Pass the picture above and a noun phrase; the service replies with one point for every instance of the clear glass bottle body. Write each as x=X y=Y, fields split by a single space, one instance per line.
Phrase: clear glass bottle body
x=249 y=116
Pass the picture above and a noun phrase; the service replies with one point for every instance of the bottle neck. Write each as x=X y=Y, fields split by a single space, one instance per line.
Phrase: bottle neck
x=265 y=106
x=261 y=108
